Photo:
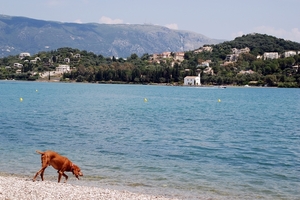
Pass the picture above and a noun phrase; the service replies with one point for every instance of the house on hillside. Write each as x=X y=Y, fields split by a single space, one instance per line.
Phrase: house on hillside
x=207 y=48
x=232 y=57
x=271 y=55
x=77 y=55
x=295 y=68
x=63 y=68
x=33 y=61
x=246 y=72
x=204 y=63
x=240 y=51
x=67 y=60
x=166 y=54
x=289 y=53
x=18 y=65
x=179 y=56
x=192 y=80
x=23 y=55
x=201 y=49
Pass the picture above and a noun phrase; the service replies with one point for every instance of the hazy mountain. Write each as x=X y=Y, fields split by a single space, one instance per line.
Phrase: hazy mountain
x=21 y=34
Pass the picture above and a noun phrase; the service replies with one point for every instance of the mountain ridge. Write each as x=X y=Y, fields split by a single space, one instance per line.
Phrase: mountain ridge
x=22 y=34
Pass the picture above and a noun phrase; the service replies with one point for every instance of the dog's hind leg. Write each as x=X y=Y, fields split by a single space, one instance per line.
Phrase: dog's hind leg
x=41 y=171
x=45 y=163
x=42 y=174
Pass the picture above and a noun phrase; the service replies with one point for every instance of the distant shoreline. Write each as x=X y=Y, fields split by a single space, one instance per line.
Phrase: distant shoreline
x=157 y=84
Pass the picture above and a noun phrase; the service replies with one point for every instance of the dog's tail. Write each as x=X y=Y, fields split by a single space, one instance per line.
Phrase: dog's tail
x=40 y=152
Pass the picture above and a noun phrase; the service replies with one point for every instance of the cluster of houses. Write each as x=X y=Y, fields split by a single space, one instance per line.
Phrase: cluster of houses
x=174 y=57
x=231 y=58
x=19 y=66
x=62 y=68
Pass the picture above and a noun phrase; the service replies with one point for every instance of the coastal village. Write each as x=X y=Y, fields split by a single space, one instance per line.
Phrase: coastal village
x=172 y=57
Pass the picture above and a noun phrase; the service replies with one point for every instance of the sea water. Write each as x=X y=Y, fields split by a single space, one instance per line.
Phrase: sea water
x=183 y=142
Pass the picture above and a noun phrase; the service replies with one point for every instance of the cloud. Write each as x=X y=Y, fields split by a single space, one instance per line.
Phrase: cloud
x=293 y=34
x=237 y=34
x=172 y=26
x=78 y=21
x=107 y=20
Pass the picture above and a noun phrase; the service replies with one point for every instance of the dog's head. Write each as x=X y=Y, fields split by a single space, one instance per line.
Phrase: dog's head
x=76 y=171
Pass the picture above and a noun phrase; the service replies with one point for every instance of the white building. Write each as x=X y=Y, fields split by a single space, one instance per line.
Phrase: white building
x=204 y=64
x=270 y=55
x=23 y=55
x=67 y=60
x=77 y=55
x=295 y=68
x=192 y=80
x=289 y=53
x=207 y=48
x=18 y=65
x=63 y=68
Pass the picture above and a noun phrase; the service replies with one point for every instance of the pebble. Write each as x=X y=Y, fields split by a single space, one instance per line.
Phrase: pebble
x=23 y=188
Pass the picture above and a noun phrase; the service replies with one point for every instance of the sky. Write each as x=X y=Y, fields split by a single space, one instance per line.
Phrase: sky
x=216 y=19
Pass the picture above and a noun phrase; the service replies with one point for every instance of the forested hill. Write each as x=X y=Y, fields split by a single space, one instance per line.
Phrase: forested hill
x=258 y=44
x=217 y=64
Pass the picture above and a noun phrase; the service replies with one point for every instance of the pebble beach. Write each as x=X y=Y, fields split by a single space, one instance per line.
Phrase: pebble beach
x=12 y=188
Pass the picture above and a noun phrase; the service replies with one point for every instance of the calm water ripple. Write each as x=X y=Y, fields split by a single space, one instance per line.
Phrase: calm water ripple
x=182 y=142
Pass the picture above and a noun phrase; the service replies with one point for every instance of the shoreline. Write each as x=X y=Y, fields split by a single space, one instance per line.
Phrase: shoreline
x=154 y=84
x=22 y=187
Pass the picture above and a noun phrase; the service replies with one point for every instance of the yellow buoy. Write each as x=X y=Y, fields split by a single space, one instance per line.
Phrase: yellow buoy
x=36 y=90
x=21 y=99
x=145 y=99
x=219 y=100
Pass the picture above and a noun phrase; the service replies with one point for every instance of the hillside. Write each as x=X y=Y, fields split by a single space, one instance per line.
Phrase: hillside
x=228 y=63
x=20 y=34
x=259 y=44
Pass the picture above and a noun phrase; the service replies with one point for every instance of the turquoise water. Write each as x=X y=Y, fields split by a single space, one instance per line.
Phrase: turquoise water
x=182 y=142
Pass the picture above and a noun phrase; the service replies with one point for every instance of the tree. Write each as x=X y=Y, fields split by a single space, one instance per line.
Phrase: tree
x=134 y=56
x=271 y=80
x=188 y=55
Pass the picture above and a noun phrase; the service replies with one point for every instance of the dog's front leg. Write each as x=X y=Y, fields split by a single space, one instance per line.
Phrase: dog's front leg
x=65 y=177
x=59 y=175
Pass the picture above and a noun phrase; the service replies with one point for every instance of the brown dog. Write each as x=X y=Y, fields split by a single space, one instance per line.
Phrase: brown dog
x=61 y=163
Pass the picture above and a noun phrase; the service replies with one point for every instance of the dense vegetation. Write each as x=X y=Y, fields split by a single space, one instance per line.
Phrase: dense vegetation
x=134 y=69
